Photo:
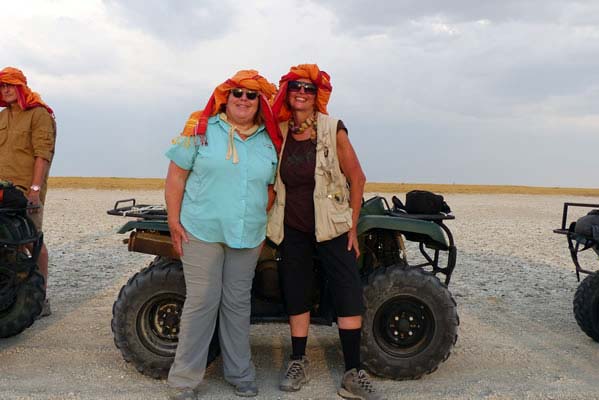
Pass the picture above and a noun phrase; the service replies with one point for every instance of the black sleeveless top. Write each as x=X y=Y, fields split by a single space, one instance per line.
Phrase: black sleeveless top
x=298 y=163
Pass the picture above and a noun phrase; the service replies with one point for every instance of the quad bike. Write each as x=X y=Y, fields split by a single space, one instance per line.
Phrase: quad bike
x=22 y=292
x=409 y=327
x=582 y=235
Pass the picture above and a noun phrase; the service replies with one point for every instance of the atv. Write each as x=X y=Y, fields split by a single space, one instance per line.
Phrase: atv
x=22 y=292
x=582 y=235
x=409 y=326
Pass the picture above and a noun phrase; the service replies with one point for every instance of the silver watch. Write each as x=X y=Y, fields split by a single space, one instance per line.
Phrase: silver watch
x=35 y=188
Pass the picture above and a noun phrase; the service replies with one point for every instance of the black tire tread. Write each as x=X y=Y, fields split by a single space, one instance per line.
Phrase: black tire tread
x=586 y=306
x=152 y=275
x=382 y=285
x=27 y=306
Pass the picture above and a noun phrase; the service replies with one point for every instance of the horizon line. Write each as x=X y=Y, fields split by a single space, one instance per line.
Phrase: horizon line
x=121 y=183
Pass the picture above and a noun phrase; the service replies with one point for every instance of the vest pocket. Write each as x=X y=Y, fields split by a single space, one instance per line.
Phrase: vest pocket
x=333 y=218
x=342 y=221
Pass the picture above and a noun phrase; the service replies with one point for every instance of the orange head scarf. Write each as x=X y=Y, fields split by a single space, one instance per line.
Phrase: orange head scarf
x=248 y=79
x=321 y=79
x=25 y=97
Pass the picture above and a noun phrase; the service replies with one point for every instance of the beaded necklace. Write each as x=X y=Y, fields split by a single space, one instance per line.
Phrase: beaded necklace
x=310 y=122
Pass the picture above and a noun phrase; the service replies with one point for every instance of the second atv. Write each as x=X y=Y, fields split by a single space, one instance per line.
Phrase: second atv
x=583 y=235
x=22 y=292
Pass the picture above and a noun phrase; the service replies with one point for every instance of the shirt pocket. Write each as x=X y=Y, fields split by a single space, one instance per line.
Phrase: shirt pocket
x=264 y=164
x=3 y=130
x=22 y=140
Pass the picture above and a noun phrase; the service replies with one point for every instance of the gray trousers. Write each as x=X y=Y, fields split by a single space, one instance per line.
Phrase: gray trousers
x=219 y=282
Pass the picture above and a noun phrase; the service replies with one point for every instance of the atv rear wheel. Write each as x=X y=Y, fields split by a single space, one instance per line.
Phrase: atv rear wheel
x=410 y=324
x=586 y=306
x=26 y=302
x=146 y=317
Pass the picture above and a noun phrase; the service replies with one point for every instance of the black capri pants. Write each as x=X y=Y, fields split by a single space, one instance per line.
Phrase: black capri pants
x=296 y=271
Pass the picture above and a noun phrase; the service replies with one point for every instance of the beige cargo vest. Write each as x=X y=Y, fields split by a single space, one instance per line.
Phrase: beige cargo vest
x=332 y=213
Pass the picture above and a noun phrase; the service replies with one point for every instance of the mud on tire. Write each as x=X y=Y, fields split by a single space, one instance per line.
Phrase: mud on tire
x=146 y=316
x=27 y=305
x=586 y=306
x=410 y=324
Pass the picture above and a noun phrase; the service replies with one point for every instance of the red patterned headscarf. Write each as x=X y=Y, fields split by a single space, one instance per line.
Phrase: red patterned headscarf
x=321 y=79
x=248 y=79
x=25 y=97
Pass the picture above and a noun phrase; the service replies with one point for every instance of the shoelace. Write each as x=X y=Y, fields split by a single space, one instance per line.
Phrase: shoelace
x=364 y=382
x=294 y=370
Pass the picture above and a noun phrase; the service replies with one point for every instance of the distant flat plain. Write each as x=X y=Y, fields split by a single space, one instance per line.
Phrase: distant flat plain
x=373 y=187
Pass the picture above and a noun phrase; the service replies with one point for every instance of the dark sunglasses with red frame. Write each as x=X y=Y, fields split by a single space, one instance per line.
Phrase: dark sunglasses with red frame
x=296 y=86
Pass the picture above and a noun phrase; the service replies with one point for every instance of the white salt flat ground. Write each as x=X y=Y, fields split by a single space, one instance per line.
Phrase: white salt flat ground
x=513 y=284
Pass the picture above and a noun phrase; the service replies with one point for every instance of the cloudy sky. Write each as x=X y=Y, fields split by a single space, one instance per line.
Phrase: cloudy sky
x=461 y=91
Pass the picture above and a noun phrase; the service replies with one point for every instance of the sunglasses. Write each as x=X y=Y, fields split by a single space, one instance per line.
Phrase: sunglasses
x=296 y=86
x=249 y=94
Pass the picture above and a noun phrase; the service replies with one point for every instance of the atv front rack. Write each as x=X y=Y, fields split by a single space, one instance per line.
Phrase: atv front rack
x=143 y=211
x=577 y=242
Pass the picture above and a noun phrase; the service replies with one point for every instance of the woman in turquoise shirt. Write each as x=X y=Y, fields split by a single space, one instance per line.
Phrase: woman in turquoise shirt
x=218 y=190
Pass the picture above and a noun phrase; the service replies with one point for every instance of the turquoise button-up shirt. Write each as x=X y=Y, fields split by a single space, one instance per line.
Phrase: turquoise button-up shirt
x=225 y=202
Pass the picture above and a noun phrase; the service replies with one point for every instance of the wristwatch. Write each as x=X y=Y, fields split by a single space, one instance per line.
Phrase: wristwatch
x=35 y=188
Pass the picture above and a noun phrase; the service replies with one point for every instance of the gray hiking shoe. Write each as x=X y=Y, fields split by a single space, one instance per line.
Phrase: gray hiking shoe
x=357 y=385
x=295 y=375
x=246 y=389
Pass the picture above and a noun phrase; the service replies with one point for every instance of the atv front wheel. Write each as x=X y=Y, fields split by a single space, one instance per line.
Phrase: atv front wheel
x=410 y=324
x=146 y=317
x=586 y=306
x=22 y=302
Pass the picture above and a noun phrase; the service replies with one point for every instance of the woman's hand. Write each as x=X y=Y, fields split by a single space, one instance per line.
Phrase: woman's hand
x=173 y=194
x=178 y=236
x=352 y=241
x=350 y=166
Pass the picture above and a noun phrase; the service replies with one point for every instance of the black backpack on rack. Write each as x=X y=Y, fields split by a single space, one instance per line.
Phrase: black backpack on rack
x=588 y=226
x=425 y=202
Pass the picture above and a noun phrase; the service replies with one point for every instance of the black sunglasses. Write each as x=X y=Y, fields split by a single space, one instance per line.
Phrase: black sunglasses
x=296 y=86
x=249 y=94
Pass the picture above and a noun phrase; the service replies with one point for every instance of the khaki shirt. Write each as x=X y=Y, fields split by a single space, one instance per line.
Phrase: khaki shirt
x=25 y=135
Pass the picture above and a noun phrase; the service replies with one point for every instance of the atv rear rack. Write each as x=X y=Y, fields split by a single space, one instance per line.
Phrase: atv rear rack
x=576 y=242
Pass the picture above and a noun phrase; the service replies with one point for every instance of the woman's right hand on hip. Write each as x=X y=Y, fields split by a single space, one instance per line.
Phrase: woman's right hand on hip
x=178 y=236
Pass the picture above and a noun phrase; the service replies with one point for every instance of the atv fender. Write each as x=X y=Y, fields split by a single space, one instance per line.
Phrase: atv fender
x=430 y=229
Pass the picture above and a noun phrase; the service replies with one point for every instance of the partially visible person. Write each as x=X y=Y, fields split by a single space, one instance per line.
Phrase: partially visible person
x=319 y=190
x=218 y=190
x=27 y=139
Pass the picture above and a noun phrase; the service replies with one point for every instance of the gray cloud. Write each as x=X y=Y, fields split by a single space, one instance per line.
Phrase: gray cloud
x=462 y=91
x=62 y=46
x=358 y=14
x=181 y=22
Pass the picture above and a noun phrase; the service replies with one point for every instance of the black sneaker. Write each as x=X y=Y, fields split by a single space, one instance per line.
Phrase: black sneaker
x=246 y=389
x=182 y=394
